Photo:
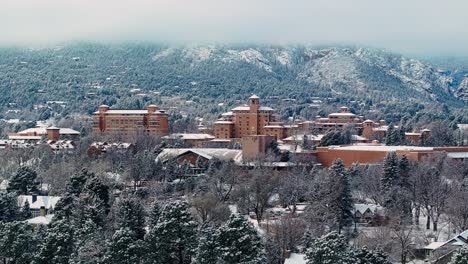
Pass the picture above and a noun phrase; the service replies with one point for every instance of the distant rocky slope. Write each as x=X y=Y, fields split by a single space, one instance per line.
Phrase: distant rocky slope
x=86 y=75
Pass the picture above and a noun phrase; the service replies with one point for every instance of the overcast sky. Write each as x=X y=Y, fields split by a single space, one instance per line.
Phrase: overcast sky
x=431 y=27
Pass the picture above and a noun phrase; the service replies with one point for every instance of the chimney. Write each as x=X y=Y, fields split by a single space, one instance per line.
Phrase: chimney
x=103 y=108
x=152 y=108
x=42 y=211
x=344 y=109
x=426 y=133
x=382 y=122
x=53 y=133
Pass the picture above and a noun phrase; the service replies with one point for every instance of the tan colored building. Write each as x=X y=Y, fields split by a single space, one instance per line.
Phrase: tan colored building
x=249 y=120
x=334 y=121
x=376 y=153
x=126 y=123
x=254 y=147
x=378 y=131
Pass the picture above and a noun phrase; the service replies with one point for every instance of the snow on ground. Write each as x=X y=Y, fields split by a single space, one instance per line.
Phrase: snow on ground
x=250 y=56
x=295 y=259
x=163 y=53
x=198 y=54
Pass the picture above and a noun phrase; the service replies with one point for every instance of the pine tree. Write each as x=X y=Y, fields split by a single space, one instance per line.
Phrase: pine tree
x=330 y=249
x=461 y=257
x=17 y=243
x=207 y=246
x=96 y=199
x=307 y=239
x=77 y=182
x=131 y=215
x=391 y=137
x=90 y=244
x=306 y=142
x=238 y=242
x=390 y=176
x=123 y=248
x=23 y=181
x=174 y=237
x=341 y=203
x=9 y=210
x=26 y=211
x=57 y=248
x=155 y=214
x=366 y=256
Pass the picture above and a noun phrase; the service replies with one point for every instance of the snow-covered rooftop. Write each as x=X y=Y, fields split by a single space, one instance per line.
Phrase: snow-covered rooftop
x=208 y=153
x=373 y=147
x=43 y=131
x=41 y=201
x=295 y=259
x=40 y=220
x=189 y=136
x=341 y=114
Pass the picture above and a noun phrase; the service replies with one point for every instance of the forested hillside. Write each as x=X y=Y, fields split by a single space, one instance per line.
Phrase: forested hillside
x=59 y=81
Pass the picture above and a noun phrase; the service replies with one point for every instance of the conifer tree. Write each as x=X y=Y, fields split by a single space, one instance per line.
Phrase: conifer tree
x=392 y=135
x=155 y=214
x=207 y=246
x=341 y=202
x=238 y=242
x=390 y=176
x=95 y=200
x=26 y=211
x=9 y=210
x=331 y=248
x=366 y=256
x=306 y=142
x=461 y=257
x=90 y=244
x=123 y=248
x=131 y=215
x=57 y=248
x=24 y=181
x=17 y=243
x=174 y=237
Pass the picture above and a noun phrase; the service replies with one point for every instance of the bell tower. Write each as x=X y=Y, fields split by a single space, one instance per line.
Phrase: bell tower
x=254 y=104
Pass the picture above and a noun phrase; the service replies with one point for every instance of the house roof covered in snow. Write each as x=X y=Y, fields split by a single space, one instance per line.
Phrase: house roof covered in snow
x=40 y=220
x=189 y=136
x=208 y=153
x=48 y=202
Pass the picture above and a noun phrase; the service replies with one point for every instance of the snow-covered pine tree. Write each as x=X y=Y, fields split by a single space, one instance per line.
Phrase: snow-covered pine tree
x=207 y=246
x=329 y=249
x=57 y=247
x=131 y=215
x=123 y=248
x=390 y=136
x=390 y=175
x=154 y=215
x=341 y=203
x=366 y=256
x=24 y=181
x=77 y=182
x=26 y=211
x=175 y=236
x=306 y=142
x=90 y=244
x=461 y=257
x=17 y=243
x=95 y=199
x=238 y=242
x=307 y=239
x=9 y=210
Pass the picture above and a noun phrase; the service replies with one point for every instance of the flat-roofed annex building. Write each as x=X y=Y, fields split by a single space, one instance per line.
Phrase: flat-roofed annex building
x=125 y=122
